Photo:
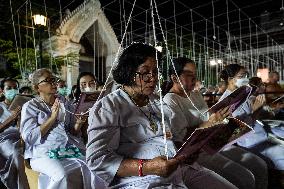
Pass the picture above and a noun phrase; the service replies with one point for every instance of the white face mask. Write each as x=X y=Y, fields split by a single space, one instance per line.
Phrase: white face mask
x=242 y=82
x=89 y=89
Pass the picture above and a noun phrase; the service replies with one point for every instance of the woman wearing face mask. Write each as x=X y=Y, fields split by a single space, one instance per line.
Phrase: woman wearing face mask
x=11 y=161
x=125 y=136
x=62 y=88
x=46 y=127
x=86 y=82
x=186 y=118
x=235 y=76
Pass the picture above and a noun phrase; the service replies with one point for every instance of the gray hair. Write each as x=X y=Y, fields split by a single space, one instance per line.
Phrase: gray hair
x=38 y=73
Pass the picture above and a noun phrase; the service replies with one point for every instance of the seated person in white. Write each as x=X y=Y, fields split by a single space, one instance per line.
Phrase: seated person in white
x=242 y=168
x=235 y=76
x=125 y=136
x=12 y=172
x=46 y=127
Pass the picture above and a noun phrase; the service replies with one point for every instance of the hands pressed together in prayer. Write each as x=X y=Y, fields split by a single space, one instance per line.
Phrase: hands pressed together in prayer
x=55 y=109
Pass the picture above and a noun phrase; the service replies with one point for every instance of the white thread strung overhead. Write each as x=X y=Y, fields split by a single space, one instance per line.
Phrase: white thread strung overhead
x=229 y=35
x=175 y=21
x=27 y=34
x=34 y=43
x=15 y=35
x=49 y=38
x=94 y=48
x=20 y=45
x=240 y=37
x=171 y=60
x=251 y=58
x=181 y=42
x=192 y=35
x=213 y=19
x=118 y=50
x=159 y=83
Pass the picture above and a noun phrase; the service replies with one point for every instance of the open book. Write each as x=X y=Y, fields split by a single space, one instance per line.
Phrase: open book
x=234 y=100
x=15 y=108
x=214 y=139
x=19 y=101
x=10 y=120
x=86 y=101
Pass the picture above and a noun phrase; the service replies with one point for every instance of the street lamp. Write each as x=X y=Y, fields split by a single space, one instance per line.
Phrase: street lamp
x=40 y=22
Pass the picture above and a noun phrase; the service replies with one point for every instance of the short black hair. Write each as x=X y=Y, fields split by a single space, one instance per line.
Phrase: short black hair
x=178 y=65
x=2 y=85
x=230 y=71
x=129 y=61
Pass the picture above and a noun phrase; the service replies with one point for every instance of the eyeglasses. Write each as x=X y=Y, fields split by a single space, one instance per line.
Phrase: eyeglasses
x=146 y=77
x=50 y=80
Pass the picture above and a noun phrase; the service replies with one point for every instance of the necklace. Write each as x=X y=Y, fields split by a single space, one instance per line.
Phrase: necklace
x=146 y=101
x=153 y=125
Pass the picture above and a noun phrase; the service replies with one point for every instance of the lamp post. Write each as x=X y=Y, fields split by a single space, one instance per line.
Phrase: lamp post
x=40 y=22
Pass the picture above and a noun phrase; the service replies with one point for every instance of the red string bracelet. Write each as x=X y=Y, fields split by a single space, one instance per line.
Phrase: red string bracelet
x=140 y=167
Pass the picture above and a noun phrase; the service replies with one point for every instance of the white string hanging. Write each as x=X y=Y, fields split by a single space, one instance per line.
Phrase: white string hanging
x=192 y=35
x=267 y=52
x=103 y=58
x=34 y=43
x=124 y=20
x=15 y=35
x=257 y=53
x=264 y=32
x=167 y=55
x=181 y=43
x=20 y=46
x=240 y=37
x=159 y=84
x=60 y=11
x=118 y=50
x=174 y=4
x=27 y=34
x=213 y=18
x=94 y=44
x=121 y=20
x=206 y=53
x=251 y=59
x=49 y=38
x=171 y=60
x=199 y=72
x=229 y=35
x=146 y=25
x=113 y=63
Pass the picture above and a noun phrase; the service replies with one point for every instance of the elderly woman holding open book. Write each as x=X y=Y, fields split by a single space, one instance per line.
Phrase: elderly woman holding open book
x=52 y=138
x=126 y=144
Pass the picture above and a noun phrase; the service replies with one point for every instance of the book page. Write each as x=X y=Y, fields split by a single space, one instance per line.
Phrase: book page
x=215 y=138
x=86 y=101
x=234 y=100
